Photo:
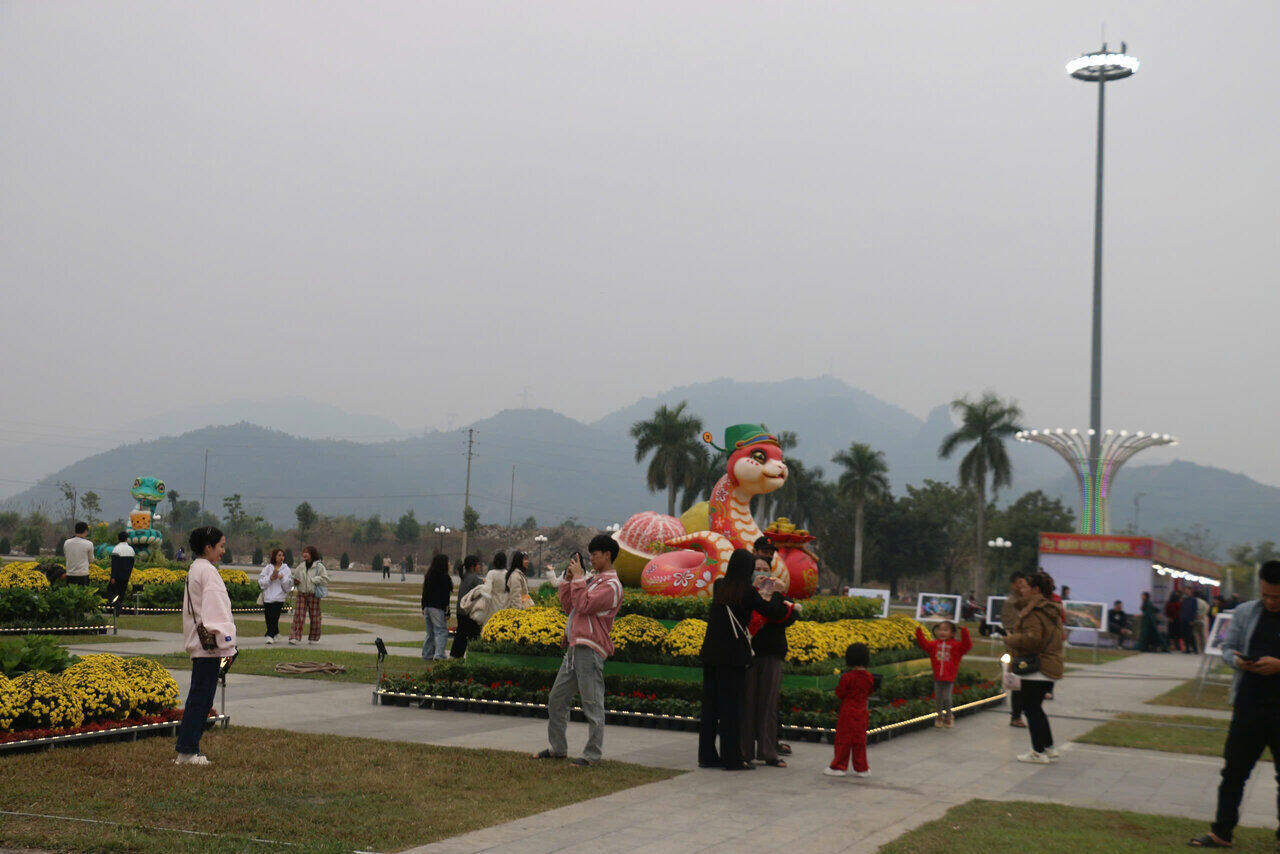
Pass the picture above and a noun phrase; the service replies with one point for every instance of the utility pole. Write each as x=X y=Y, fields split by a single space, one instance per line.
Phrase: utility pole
x=511 y=508
x=466 y=501
x=205 y=482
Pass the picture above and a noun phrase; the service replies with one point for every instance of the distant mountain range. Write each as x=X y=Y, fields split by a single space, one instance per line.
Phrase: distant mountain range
x=564 y=468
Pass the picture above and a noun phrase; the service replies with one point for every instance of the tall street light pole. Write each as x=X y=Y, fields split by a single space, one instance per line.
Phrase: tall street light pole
x=1099 y=68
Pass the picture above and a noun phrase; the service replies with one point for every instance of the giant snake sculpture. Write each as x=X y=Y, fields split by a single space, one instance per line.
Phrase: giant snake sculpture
x=755 y=467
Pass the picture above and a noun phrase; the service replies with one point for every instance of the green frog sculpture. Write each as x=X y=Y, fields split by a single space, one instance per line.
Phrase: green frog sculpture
x=143 y=535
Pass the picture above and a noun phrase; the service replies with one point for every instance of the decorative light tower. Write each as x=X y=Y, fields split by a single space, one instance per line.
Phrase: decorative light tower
x=1094 y=476
x=1096 y=457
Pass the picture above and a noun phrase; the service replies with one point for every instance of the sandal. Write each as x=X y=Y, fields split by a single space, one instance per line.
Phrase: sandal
x=1018 y=722
x=1208 y=841
x=547 y=754
x=777 y=763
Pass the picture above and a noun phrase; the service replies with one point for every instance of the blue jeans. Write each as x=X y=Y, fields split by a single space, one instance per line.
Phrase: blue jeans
x=437 y=633
x=204 y=682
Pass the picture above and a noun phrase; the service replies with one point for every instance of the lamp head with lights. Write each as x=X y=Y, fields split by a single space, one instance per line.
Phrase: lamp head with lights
x=1103 y=66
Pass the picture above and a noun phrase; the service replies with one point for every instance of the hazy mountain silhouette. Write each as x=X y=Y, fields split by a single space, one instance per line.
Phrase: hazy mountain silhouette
x=566 y=468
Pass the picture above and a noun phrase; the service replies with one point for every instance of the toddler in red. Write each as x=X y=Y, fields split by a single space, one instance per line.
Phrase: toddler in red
x=851 y=726
x=945 y=653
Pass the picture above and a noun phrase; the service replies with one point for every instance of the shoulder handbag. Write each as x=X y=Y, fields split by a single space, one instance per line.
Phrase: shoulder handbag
x=208 y=640
x=1025 y=665
x=478 y=602
x=739 y=631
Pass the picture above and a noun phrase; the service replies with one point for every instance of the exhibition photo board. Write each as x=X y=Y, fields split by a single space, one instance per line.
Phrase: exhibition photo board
x=935 y=607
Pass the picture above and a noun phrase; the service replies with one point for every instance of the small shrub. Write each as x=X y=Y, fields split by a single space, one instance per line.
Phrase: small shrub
x=257 y=556
x=33 y=546
x=5 y=546
x=344 y=561
x=288 y=556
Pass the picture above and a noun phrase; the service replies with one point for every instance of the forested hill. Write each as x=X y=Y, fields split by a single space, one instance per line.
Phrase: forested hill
x=564 y=468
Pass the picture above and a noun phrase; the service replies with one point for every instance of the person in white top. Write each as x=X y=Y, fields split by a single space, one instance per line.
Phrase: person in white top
x=205 y=605
x=79 y=552
x=276 y=580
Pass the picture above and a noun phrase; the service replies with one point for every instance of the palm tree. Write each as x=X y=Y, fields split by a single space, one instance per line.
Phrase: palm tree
x=986 y=423
x=864 y=478
x=678 y=452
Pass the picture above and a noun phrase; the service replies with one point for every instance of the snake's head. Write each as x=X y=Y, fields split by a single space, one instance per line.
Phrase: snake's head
x=758 y=468
x=148 y=489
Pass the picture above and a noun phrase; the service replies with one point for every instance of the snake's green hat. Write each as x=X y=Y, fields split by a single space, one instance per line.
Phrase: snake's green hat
x=740 y=435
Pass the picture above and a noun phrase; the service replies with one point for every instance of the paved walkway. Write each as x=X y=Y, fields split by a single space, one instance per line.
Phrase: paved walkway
x=915 y=778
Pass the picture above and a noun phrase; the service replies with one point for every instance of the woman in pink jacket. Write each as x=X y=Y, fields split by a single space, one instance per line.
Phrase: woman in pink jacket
x=205 y=603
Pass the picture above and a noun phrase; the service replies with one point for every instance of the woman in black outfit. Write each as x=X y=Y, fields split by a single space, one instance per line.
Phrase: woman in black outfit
x=726 y=655
x=436 y=588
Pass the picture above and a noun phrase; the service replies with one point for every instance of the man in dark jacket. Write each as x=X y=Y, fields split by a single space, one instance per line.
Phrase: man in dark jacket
x=1188 y=613
x=1252 y=649
x=472 y=577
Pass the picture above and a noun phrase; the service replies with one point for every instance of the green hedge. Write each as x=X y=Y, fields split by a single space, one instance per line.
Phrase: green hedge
x=170 y=595
x=62 y=605
x=33 y=652
x=648 y=655
x=819 y=609
x=898 y=698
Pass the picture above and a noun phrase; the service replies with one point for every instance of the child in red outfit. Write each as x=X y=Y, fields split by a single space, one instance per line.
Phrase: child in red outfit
x=851 y=726
x=945 y=653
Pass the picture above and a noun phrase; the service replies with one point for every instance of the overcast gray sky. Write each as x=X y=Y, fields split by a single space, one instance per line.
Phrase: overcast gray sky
x=413 y=209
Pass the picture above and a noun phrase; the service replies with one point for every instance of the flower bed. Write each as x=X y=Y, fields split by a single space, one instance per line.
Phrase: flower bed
x=165 y=723
x=812 y=646
x=96 y=689
x=818 y=609
x=646 y=701
x=155 y=588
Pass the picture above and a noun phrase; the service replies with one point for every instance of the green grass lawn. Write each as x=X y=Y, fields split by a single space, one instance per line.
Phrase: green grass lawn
x=1018 y=827
x=349 y=793
x=1171 y=733
x=1084 y=655
x=261 y=661
x=1212 y=696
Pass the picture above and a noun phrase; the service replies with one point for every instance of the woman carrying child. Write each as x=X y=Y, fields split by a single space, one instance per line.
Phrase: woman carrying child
x=851 y=725
x=945 y=653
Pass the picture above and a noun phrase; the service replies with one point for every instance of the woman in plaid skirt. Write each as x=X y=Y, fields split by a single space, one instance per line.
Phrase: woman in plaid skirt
x=311 y=581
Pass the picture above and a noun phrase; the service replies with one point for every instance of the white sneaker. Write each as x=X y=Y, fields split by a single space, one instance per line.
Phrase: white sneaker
x=862 y=773
x=270 y=639
x=294 y=641
x=312 y=641
x=1034 y=758
x=191 y=759
x=834 y=772
x=1052 y=752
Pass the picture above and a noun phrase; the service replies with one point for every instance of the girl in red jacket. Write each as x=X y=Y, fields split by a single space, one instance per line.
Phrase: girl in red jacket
x=945 y=653
x=851 y=726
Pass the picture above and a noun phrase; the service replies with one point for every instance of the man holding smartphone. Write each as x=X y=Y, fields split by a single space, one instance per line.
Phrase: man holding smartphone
x=591 y=606
x=1252 y=647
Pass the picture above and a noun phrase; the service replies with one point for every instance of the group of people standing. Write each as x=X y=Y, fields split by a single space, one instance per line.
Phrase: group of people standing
x=479 y=597
x=742 y=655
x=309 y=582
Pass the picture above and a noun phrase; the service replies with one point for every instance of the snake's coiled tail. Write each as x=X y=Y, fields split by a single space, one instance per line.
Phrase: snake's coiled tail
x=700 y=559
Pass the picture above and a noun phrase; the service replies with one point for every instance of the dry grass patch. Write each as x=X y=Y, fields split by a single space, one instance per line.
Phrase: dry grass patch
x=1018 y=827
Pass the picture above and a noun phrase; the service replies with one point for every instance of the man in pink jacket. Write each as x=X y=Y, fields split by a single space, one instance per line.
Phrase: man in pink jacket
x=591 y=606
